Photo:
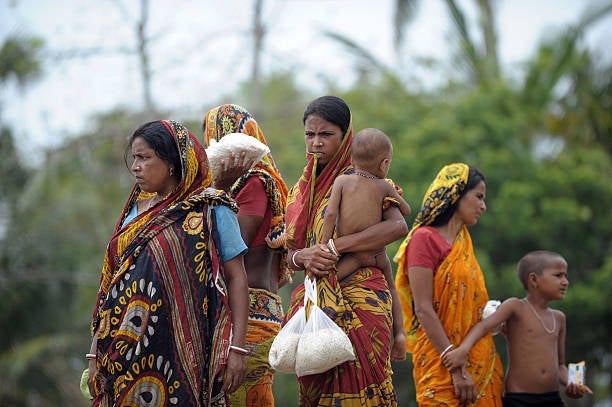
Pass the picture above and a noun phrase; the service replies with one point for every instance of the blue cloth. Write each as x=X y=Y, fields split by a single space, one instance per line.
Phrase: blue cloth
x=227 y=233
x=131 y=215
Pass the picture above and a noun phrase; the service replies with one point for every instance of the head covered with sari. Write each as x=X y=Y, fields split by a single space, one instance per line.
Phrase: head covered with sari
x=459 y=296
x=309 y=197
x=362 y=307
x=442 y=195
x=230 y=118
x=195 y=177
x=140 y=300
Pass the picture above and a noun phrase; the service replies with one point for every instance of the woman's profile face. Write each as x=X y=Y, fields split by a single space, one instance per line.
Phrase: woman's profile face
x=472 y=204
x=322 y=138
x=151 y=172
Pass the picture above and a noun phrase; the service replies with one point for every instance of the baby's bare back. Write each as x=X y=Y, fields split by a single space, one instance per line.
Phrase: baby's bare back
x=361 y=204
x=533 y=365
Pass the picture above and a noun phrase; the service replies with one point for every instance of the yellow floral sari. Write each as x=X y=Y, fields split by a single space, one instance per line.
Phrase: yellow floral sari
x=459 y=298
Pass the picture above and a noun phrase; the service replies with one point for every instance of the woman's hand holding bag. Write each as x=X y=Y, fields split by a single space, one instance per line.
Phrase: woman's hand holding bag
x=323 y=344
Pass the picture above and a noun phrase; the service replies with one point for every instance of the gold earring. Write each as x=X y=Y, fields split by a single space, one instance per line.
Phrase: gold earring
x=171 y=171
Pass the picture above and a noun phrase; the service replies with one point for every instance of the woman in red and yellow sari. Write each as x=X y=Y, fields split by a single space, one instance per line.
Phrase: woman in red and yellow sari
x=443 y=293
x=261 y=194
x=169 y=324
x=359 y=304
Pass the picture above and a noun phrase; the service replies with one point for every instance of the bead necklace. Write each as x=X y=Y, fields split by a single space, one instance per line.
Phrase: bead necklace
x=364 y=175
x=554 y=327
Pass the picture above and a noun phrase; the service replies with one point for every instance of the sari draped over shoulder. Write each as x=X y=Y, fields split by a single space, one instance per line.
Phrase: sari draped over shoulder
x=459 y=297
x=265 y=307
x=230 y=118
x=362 y=307
x=162 y=317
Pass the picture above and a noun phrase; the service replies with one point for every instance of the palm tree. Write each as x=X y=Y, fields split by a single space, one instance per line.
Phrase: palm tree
x=481 y=63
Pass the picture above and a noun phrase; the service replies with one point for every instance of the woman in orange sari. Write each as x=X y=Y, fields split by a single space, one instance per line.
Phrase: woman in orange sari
x=443 y=293
x=359 y=304
x=261 y=194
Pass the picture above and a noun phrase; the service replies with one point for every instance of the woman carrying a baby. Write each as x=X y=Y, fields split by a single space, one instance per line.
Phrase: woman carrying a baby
x=261 y=195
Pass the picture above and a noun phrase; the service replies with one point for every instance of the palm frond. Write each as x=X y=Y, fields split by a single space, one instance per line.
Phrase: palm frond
x=470 y=53
x=366 y=59
x=403 y=13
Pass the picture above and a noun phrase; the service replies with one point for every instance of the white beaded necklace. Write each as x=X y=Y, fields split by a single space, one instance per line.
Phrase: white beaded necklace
x=554 y=327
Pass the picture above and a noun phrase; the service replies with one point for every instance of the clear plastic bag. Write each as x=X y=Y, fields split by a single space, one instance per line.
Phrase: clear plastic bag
x=323 y=344
x=284 y=347
x=489 y=309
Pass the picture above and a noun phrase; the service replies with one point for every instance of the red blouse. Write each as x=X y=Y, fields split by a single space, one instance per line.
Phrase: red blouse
x=253 y=201
x=427 y=248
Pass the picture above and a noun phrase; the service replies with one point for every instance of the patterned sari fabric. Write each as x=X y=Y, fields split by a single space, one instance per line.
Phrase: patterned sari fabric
x=162 y=316
x=362 y=308
x=265 y=310
x=265 y=317
x=459 y=298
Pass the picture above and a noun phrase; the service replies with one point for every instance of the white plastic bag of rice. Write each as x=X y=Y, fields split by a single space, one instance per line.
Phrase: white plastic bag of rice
x=234 y=143
x=323 y=344
x=284 y=347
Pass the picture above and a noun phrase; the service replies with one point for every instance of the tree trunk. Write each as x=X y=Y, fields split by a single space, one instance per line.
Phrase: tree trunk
x=487 y=24
x=258 y=39
x=145 y=69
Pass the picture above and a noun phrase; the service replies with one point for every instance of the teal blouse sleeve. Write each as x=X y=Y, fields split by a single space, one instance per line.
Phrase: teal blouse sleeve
x=227 y=236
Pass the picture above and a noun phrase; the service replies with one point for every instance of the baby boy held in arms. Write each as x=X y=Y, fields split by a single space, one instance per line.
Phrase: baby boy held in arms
x=533 y=331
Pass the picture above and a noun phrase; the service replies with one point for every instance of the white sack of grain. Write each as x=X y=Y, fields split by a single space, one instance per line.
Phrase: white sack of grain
x=323 y=344
x=234 y=143
x=284 y=347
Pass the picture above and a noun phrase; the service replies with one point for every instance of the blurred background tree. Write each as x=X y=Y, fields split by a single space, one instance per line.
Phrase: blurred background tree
x=542 y=138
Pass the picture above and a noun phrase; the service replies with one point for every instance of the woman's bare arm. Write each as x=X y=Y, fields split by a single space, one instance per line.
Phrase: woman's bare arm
x=392 y=228
x=238 y=295
x=421 y=286
x=92 y=364
x=319 y=260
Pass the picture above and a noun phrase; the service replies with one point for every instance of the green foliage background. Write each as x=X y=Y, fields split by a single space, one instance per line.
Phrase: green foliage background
x=546 y=151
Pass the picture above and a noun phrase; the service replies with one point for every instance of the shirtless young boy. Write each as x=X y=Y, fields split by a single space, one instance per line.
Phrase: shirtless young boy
x=535 y=335
x=357 y=201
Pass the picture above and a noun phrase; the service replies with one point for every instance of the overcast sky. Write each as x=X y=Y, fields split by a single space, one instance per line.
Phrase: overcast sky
x=201 y=49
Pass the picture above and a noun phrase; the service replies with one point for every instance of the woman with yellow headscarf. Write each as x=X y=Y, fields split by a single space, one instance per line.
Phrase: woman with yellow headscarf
x=443 y=293
x=261 y=194
x=170 y=319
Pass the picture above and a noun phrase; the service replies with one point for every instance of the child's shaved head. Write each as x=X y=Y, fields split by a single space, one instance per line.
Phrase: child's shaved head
x=536 y=262
x=370 y=146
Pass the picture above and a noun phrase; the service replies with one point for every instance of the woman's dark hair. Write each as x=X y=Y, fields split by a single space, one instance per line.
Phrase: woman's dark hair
x=475 y=176
x=331 y=108
x=159 y=138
